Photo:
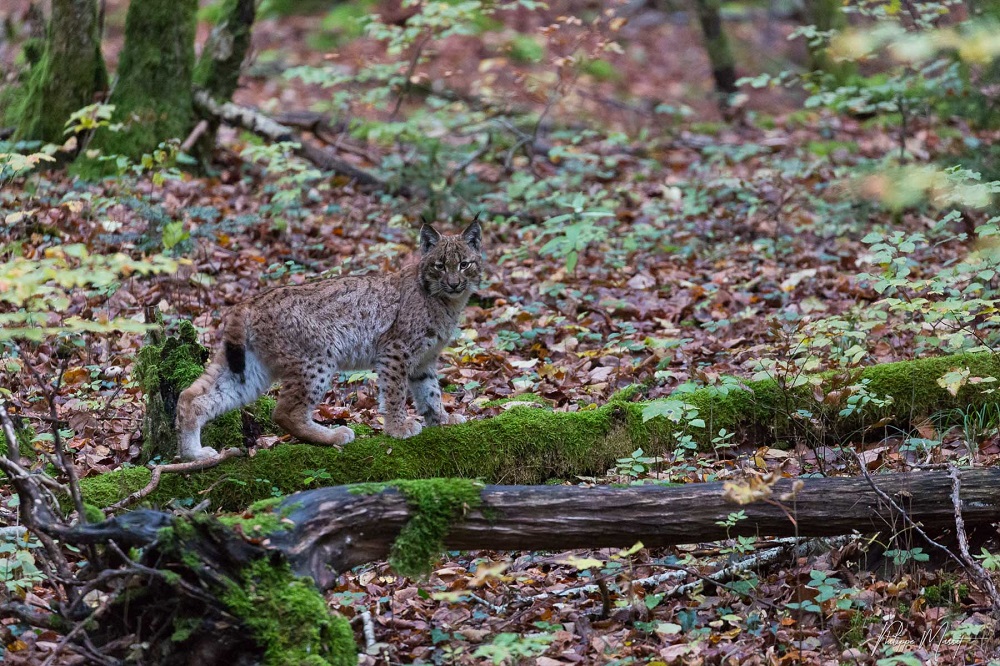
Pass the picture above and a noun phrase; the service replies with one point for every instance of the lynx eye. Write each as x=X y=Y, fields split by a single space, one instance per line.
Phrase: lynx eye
x=439 y=265
x=464 y=265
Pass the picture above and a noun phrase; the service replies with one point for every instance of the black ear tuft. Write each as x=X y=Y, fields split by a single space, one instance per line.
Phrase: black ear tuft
x=473 y=234
x=429 y=237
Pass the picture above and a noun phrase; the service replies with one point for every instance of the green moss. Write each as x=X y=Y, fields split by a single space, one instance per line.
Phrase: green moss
x=530 y=446
x=94 y=514
x=289 y=618
x=518 y=446
x=436 y=504
x=106 y=489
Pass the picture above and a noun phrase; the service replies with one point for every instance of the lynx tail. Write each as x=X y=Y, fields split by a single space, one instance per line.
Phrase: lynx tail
x=235 y=340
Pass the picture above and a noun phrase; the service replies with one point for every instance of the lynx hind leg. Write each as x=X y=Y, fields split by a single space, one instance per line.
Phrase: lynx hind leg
x=216 y=392
x=298 y=397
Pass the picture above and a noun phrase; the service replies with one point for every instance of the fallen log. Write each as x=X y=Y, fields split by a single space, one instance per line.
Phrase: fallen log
x=267 y=128
x=334 y=529
x=531 y=445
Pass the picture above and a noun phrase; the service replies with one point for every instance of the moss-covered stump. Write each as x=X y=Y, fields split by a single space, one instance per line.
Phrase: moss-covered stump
x=528 y=445
x=209 y=576
x=152 y=94
x=167 y=366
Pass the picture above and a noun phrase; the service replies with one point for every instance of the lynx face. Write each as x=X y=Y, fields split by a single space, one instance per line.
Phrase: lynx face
x=450 y=266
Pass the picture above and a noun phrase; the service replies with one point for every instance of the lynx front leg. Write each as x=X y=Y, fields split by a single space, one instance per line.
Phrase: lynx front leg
x=426 y=392
x=392 y=373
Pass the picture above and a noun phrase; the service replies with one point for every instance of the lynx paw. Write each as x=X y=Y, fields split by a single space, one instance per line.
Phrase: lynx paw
x=408 y=428
x=342 y=435
x=452 y=419
x=201 y=453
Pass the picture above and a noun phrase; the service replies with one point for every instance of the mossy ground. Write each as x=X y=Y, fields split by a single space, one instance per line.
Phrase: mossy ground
x=528 y=445
x=289 y=618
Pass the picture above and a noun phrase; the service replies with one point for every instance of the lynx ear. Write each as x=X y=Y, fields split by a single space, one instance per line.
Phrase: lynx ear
x=429 y=237
x=473 y=234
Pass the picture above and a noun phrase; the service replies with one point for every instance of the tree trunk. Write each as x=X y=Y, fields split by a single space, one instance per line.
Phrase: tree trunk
x=717 y=46
x=69 y=74
x=152 y=92
x=826 y=16
x=218 y=70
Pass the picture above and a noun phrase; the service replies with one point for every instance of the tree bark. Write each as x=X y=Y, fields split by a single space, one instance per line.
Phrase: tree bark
x=826 y=16
x=69 y=74
x=218 y=70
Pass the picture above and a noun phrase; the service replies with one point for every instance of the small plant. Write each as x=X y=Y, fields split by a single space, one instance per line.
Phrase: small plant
x=310 y=476
x=901 y=556
x=635 y=467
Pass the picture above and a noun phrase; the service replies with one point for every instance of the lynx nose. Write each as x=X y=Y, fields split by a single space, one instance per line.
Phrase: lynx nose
x=453 y=285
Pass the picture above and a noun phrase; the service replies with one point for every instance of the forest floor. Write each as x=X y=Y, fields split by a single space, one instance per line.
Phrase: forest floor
x=724 y=242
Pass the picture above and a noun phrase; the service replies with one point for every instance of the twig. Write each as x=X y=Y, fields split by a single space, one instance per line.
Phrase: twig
x=29 y=615
x=174 y=468
x=368 y=628
x=975 y=569
x=414 y=61
x=195 y=134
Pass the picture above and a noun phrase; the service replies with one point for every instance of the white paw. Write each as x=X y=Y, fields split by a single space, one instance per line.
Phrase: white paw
x=408 y=428
x=342 y=435
x=453 y=419
x=201 y=453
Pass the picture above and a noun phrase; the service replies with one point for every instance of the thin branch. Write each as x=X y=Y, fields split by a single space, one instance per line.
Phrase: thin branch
x=174 y=468
x=414 y=61
x=975 y=569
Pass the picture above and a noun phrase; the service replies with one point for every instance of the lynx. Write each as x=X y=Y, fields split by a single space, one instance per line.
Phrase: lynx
x=303 y=335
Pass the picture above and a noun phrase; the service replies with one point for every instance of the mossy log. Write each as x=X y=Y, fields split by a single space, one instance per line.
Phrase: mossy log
x=530 y=445
x=66 y=77
x=202 y=594
x=331 y=530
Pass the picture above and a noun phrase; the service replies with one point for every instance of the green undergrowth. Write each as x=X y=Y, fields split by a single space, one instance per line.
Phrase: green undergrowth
x=436 y=505
x=289 y=618
x=527 y=445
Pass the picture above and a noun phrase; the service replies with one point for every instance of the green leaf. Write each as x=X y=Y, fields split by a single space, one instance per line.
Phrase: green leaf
x=173 y=234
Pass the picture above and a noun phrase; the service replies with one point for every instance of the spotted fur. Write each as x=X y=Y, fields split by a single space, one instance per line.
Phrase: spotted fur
x=303 y=335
